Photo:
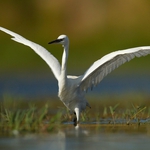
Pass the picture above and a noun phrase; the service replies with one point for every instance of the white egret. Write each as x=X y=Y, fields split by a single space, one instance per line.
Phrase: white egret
x=72 y=88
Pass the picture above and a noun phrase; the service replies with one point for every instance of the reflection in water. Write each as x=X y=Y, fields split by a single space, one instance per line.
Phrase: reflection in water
x=85 y=137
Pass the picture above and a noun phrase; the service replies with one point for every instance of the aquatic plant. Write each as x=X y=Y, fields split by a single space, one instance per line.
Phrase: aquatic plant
x=19 y=116
x=32 y=119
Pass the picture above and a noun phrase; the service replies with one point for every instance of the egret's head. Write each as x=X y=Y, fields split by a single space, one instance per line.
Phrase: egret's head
x=62 y=39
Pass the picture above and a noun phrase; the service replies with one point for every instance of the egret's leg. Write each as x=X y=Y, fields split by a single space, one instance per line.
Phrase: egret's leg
x=76 y=119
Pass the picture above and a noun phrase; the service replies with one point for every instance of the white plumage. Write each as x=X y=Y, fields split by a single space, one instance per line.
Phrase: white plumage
x=72 y=88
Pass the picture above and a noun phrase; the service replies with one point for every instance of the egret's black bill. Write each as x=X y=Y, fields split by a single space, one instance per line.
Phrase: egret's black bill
x=55 y=41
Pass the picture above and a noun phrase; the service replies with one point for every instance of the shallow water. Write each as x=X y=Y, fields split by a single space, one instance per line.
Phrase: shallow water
x=114 y=137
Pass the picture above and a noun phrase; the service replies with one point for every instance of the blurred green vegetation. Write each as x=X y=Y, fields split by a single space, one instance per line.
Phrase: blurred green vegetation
x=95 y=28
x=47 y=115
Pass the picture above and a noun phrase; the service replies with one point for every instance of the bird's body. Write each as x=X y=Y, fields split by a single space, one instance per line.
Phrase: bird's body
x=71 y=95
x=72 y=88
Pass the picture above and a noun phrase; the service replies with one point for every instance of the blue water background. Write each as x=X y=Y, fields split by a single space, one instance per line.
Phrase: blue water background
x=33 y=85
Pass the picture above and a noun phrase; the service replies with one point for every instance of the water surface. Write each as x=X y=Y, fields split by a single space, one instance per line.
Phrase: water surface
x=33 y=86
x=114 y=137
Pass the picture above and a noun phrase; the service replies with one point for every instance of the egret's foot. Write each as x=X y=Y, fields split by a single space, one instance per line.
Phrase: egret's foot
x=75 y=121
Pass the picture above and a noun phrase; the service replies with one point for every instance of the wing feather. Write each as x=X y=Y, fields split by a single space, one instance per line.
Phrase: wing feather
x=41 y=51
x=108 y=63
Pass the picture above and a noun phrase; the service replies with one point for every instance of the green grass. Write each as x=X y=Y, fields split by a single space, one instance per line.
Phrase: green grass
x=31 y=119
x=19 y=116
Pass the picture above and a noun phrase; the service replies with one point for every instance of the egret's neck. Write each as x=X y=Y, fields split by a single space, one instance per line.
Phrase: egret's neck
x=64 y=61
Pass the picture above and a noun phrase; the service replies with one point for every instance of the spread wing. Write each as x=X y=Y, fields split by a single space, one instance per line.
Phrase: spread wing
x=41 y=51
x=100 y=68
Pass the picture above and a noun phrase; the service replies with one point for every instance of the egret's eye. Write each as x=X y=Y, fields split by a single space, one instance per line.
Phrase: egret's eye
x=59 y=40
